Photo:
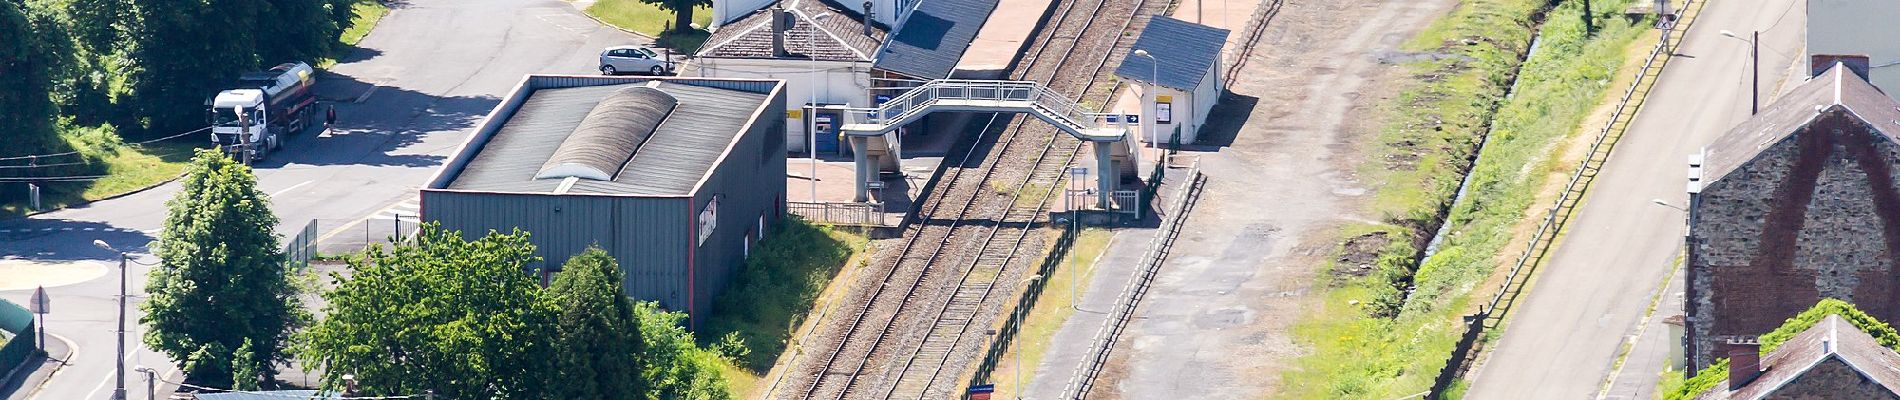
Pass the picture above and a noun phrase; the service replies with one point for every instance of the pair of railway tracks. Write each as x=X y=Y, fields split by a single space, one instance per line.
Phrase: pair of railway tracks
x=910 y=336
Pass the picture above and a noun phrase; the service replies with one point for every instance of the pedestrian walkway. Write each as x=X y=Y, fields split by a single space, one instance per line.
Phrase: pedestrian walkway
x=26 y=382
x=1001 y=40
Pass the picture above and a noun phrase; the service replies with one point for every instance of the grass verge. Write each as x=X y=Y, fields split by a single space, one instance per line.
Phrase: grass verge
x=124 y=169
x=1053 y=308
x=771 y=296
x=364 y=14
x=1386 y=332
x=637 y=16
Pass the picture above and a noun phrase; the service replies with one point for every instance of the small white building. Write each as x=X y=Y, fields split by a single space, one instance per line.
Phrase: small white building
x=1855 y=28
x=1179 y=82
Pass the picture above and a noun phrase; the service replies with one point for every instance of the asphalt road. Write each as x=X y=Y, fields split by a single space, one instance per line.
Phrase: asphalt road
x=1591 y=296
x=430 y=70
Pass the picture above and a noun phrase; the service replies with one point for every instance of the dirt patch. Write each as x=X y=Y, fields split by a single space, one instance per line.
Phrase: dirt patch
x=1358 y=255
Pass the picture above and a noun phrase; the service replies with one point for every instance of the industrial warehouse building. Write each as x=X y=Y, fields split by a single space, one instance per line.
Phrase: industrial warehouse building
x=676 y=178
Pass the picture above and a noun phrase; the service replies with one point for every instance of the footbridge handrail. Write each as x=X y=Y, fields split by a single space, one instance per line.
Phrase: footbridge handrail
x=1043 y=100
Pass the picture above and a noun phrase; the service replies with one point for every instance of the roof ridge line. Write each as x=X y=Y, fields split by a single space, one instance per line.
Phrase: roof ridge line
x=821 y=28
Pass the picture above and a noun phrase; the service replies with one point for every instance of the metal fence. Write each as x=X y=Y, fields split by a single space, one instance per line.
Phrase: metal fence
x=1674 y=30
x=1083 y=378
x=854 y=214
x=330 y=237
x=18 y=322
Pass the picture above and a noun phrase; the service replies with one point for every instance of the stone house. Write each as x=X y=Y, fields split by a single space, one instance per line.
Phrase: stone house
x=1794 y=205
x=1831 y=360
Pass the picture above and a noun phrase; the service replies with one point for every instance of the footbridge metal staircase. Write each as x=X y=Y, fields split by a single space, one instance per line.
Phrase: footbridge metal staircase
x=870 y=129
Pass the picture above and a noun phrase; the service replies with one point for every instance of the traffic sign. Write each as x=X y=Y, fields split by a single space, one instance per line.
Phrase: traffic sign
x=982 y=392
x=40 y=304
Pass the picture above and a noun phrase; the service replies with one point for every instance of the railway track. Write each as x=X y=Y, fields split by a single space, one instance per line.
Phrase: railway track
x=908 y=337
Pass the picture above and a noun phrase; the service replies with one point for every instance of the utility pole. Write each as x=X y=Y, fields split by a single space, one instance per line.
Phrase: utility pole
x=1754 y=87
x=118 y=390
x=244 y=134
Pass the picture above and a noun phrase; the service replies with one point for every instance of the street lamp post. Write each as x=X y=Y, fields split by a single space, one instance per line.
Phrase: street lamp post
x=118 y=389
x=1154 y=85
x=1754 y=61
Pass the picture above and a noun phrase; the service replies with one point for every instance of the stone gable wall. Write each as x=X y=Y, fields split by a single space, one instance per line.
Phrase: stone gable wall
x=1815 y=215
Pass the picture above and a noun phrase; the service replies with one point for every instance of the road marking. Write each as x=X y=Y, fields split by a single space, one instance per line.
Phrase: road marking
x=46 y=229
x=292 y=187
x=391 y=209
x=366 y=93
x=6 y=230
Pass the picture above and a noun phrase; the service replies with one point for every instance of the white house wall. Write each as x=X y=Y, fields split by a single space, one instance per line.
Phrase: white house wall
x=1864 y=27
x=726 y=11
x=832 y=83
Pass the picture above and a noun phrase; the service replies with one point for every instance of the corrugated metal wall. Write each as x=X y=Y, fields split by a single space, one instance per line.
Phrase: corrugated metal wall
x=648 y=235
x=751 y=184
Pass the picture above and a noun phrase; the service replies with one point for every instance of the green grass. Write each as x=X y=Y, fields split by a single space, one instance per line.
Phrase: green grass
x=647 y=19
x=364 y=16
x=771 y=296
x=125 y=168
x=1053 y=308
x=1360 y=350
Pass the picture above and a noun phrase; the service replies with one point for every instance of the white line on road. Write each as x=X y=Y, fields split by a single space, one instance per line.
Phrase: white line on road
x=292 y=187
x=130 y=352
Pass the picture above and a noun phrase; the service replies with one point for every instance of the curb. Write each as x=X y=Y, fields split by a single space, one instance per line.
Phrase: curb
x=154 y=185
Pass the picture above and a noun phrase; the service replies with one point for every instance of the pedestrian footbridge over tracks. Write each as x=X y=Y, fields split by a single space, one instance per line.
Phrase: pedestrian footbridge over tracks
x=870 y=130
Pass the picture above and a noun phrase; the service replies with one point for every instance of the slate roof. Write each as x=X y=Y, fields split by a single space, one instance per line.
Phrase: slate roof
x=1831 y=338
x=821 y=31
x=934 y=37
x=679 y=153
x=1838 y=87
x=1186 y=50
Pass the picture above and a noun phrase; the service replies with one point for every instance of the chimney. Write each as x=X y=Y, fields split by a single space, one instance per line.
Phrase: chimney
x=1744 y=362
x=780 y=23
x=869 y=14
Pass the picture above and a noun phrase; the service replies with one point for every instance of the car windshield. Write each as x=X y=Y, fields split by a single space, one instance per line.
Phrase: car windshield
x=224 y=116
x=648 y=52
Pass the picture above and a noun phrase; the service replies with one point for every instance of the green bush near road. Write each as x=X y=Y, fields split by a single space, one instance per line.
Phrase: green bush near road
x=1393 y=342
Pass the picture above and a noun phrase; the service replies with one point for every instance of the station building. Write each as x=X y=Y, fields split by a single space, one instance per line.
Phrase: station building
x=1180 y=79
x=676 y=178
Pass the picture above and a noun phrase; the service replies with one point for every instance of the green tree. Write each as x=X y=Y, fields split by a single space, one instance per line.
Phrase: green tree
x=26 y=110
x=221 y=280
x=246 y=370
x=438 y=312
x=674 y=368
x=596 y=338
x=682 y=11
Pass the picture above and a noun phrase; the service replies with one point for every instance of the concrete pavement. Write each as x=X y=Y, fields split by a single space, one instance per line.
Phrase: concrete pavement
x=404 y=99
x=1562 y=341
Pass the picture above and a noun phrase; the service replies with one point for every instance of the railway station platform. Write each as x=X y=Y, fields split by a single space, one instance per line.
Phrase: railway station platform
x=1003 y=38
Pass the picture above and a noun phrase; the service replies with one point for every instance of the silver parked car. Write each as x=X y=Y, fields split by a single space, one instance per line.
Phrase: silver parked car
x=619 y=59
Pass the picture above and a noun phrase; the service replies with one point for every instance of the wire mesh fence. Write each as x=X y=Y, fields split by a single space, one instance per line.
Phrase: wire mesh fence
x=333 y=237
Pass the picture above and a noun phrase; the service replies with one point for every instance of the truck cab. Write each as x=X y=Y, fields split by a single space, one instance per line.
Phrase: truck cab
x=227 y=125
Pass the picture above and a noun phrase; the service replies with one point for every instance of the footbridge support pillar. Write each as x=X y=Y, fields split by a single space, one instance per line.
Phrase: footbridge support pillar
x=1107 y=174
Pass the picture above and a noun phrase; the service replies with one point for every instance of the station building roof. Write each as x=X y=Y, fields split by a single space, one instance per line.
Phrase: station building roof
x=1186 y=51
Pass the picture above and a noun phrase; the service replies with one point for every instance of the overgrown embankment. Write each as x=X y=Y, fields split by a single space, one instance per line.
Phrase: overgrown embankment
x=753 y=320
x=1389 y=324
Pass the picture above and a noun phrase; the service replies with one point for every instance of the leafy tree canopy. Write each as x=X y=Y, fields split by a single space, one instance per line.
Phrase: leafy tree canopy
x=221 y=281
x=597 y=337
x=437 y=312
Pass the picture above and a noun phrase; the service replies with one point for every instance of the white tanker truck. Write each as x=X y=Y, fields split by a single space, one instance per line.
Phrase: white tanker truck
x=253 y=117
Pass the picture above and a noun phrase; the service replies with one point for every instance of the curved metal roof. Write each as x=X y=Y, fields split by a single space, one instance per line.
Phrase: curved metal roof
x=610 y=133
